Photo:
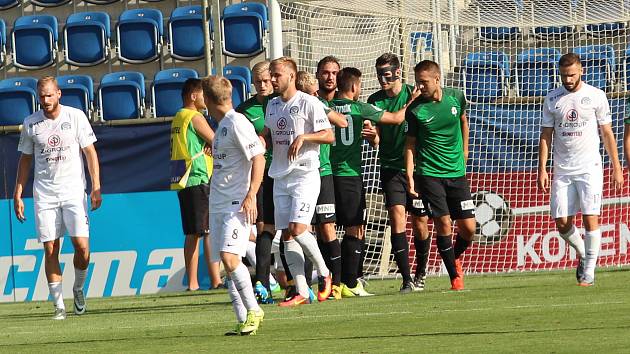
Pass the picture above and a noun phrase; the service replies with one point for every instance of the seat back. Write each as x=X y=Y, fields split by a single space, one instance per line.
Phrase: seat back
x=485 y=75
x=18 y=99
x=241 y=79
x=166 y=92
x=86 y=38
x=77 y=91
x=243 y=29
x=536 y=71
x=498 y=33
x=185 y=33
x=139 y=35
x=552 y=32
x=121 y=95
x=49 y=3
x=34 y=41
x=598 y=62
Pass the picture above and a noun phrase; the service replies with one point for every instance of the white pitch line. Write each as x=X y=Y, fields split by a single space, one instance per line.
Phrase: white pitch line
x=544 y=209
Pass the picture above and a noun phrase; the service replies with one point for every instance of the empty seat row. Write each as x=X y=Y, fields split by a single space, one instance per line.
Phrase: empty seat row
x=7 y=4
x=120 y=95
x=550 y=32
x=139 y=36
x=487 y=75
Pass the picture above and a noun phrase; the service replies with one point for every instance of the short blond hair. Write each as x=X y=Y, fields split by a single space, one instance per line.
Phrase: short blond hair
x=305 y=79
x=260 y=68
x=47 y=79
x=287 y=62
x=217 y=88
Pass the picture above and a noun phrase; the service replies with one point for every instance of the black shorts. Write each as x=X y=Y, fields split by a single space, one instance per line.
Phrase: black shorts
x=349 y=200
x=267 y=200
x=395 y=189
x=446 y=196
x=259 y=205
x=325 y=208
x=193 y=206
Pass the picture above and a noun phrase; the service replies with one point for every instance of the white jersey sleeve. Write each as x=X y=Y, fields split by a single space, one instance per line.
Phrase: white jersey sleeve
x=247 y=140
x=602 y=110
x=85 y=134
x=26 y=145
x=547 y=117
x=320 y=119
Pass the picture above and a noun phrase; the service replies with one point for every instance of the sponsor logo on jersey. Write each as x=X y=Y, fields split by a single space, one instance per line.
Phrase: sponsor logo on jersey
x=53 y=149
x=224 y=131
x=467 y=204
x=572 y=115
x=54 y=140
x=294 y=109
x=65 y=126
x=220 y=156
x=325 y=209
x=282 y=123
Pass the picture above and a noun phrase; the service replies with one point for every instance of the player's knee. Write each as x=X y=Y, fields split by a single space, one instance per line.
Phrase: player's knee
x=230 y=261
x=563 y=225
x=295 y=229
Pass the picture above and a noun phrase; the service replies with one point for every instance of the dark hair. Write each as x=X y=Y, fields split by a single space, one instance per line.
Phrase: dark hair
x=327 y=59
x=569 y=59
x=191 y=85
x=388 y=58
x=427 y=65
x=346 y=77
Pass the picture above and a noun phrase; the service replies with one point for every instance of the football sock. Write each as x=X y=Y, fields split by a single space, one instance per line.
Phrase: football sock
x=295 y=262
x=263 y=257
x=460 y=246
x=250 y=253
x=400 y=249
x=243 y=283
x=361 y=259
x=334 y=253
x=423 y=247
x=237 y=303
x=56 y=293
x=79 y=278
x=309 y=245
x=325 y=252
x=350 y=257
x=308 y=271
x=575 y=240
x=592 y=243
x=445 y=247
x=283 y=260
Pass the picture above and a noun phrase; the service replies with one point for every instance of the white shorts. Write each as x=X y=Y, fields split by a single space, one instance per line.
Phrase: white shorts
x=229 y=232
x=294 y=197
x=54 y=219
x=570 y=194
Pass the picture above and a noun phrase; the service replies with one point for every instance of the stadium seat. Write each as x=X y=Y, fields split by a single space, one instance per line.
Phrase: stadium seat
x=166 y=95
x=3 y=41
x=49 y=3
x=241 y=79
x=185 y=33
x=121 y=95
x=243 y=29
x=101 y=2
x=86 y=38
x=599 y=65
x=139 y=35
x=536 y=71
x=485 y=75
x=7 y=4
x=421 y=44
x=18 y=99
x=498 y=33
x=34 y=41
x=552 y=32
x=77 y=91
x=605 y=29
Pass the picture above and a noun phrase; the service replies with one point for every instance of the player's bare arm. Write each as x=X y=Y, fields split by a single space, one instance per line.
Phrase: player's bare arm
x=324 y=136
x=543 y=155
x=465 y=134
x=204 y=131
x=626 y=143
x=249 y=203
x=23 y=171
x=410 y=157
x=370 y=133
x=610 y=144
x=337 y=119
x=396 y=118
x=92 y=163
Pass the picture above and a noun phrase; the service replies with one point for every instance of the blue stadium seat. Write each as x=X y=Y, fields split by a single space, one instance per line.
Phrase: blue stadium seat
x=485 y=75
x=605 y=29
x=421 y=44
x=166 y=93
x=121 y=95
x=101 y=2
x=3 y=41
x=18 y=99
x=599 y=65
x=185 y=33
x=552 y=32
x=243 y=29
x=86 y=38
x=34 y=41
x=49 y=3
x=536 y=71
x=7 y=4
x=498 y=33
x=77 y=91
x=241 y=79
x=139 y=35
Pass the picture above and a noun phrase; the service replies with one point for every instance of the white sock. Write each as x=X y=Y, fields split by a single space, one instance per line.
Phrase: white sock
x=250 y=254
x=575 y=240
x=79 y=278
x=272 y=281
x=243 y=284
x=592 y=241
x=311 y=249
x=57 y=294
x=295 y=261
x=237 y=303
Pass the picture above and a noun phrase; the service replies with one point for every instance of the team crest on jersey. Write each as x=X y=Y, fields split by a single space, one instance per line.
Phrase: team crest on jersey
x=294 y=109
x=224 y=131
x=572 y=115
x=454 y=110
x=54 y=140
x=282 y=123
x=586 y=101
x=65 y=126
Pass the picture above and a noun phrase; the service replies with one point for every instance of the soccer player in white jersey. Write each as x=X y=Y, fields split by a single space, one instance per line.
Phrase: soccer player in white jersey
x=54 y=137
x=237 y=174
x=297 y=125
x=571 y=116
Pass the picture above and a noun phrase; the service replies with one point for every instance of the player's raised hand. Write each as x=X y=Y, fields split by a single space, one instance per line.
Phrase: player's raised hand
x=369 y=131
x=294 y=149
x=95 y=199
x=415 y=93
x=412 y=186
x=248 y=207
x=543 y=181
x=18 y=206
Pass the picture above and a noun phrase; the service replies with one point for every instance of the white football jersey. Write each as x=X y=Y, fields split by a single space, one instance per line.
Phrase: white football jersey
x=235 y=144
x=302 y=114
x=56 y=145
x=575 y=118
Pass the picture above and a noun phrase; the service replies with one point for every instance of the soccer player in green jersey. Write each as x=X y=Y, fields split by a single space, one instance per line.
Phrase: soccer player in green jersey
x=345 y=159
x=254 y=110
x=437 y=141
x=392 y=97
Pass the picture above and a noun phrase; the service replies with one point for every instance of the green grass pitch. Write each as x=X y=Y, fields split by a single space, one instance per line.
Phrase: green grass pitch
x=541 y=312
